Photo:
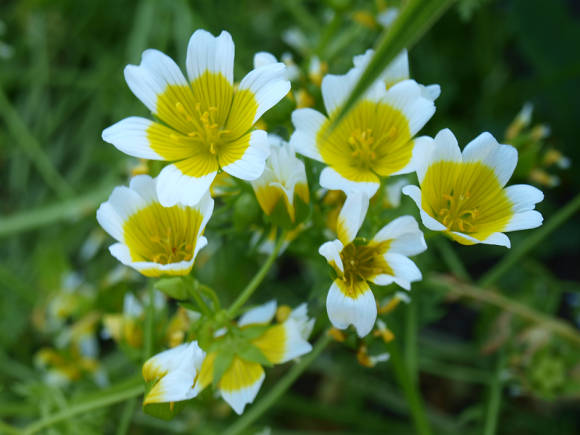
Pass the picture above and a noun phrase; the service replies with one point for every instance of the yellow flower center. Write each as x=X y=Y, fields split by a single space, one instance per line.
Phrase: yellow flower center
x=456 y=214
x=362 y=263
x=205 y=126
x=162 y=235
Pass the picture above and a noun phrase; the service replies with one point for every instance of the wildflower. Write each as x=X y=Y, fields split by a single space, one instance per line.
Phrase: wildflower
x=173 y=373
x=154 y=240
x=263 y=58
x=209 y=121
x=283 y=182
x=382 y=261
x=463 y=194
x=240 y=382
x=375 y=139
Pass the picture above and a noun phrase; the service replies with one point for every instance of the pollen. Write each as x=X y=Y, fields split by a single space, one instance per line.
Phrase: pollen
x=456 y=214
x=362 y=263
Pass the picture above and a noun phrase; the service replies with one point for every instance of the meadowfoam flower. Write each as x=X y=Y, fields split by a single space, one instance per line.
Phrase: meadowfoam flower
x=283 y=182
x=154 y=240
x=463 y=194
x=209 y=122
x=241 y=380
x=382 y=261
x=173 y=373
x=375 y=139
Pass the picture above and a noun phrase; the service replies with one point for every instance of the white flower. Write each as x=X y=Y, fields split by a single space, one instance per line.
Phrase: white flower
x=152 y=239
x=174 y=372
x=208 y=123
x=463 y=194
x=383 y=260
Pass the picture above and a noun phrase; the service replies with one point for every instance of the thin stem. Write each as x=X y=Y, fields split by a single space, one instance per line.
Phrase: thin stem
x=102 y=401
x=279 y=389
x=127 y=416
x=529 y=243
x=410 y=389
x=149 y=325
x=455 y=287
x=32 y=148
x=411 y=338
x=257 y=279
x=494 y=400
x=198 y=299
x=212 y=295
x=451 y=259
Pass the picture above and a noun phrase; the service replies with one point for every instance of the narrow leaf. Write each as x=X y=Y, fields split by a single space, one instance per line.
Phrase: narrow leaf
x=415 y=19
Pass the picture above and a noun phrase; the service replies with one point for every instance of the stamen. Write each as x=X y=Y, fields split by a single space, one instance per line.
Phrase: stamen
x=454 y=216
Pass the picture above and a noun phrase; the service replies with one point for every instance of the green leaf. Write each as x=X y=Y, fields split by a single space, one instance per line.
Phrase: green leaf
x=254 y=331
x=249 y=352
x=175 y=287
x=223 y=361
x=415 y=19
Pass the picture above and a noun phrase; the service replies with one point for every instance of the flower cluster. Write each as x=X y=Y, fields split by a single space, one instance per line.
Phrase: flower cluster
x=207 y=126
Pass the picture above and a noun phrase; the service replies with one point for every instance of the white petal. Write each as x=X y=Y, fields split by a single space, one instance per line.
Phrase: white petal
x=239 y=399
x=445 y=149
x=501 y=158
x=121 y=252
x=331 y=251
x=352 y=216
x=335 y=90
x=206 y=52
x=295 y=343
x=415 y=194
x=110 y=220
x=525 y=220
x=268 y=84
x=404 y=270
x=305 y=324
x=145 y=186
x=262 y=58
x=497 y=239
x=307 y=123
x=523 y=196
x=407 y=238
x=251 y=165
x=126 y=202
x=185 y=356
x=422 y=148
x=175 y=386
x=130 y=136
x=205 y=207
x=174 y=187
x=343 y=311
x=151 y=77
x=431 y=92
x=406 y=97
x=259 y=315
x=330 y=179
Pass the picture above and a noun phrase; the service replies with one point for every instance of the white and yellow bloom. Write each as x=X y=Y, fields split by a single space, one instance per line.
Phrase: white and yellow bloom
x=174 y=373
x=154 y=240
x=208 y=122
x=463 y=194
x=375 y=139
x=279 y=343
x=263 y=58
x=382 y=261
x=283 y=181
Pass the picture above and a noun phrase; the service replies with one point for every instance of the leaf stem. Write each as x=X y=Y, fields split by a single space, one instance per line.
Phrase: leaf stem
x=529 y=243
x=410 y=389
x=279 y=389
x=103 y=400
x=494 y=400
x=257 y=279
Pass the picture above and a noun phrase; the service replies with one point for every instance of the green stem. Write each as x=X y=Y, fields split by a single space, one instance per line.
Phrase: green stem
x=102 y=401
x=279 y=389
x=257 y=279
x=411 y=339
x=410 y=389
x=198 y=299
x=127 y=416
x=549 y=323
x=149 y=325
x=451 y=259
x=494 y=400
x=32 y=147
x=530 y=242
x=212 y=295
x=66 y=210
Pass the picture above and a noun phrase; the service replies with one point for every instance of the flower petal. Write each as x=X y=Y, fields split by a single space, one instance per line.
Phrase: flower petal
x=525 y=220
x=174 y=187
x=501 y=158
x=406 y=97
x=206 y=52
x=262 y=58
x=523 y=196
x=330 y=179
x=352 y=216
x=307 y=123
x=415 y=194
x=405 y=235
x=344 y=310
x=251 y=164
x=331 y=251
x=262 y=314
x=240 y=383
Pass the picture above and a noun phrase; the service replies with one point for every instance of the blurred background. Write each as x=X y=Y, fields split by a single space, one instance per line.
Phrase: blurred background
x=65 y=329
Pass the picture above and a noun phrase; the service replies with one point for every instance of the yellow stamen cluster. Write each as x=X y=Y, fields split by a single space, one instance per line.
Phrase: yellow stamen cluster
x=170 y=248
x=455 y=215
x=361 y=263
